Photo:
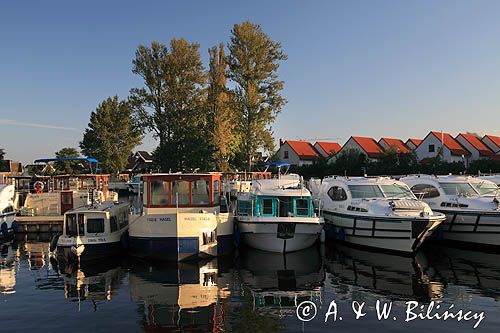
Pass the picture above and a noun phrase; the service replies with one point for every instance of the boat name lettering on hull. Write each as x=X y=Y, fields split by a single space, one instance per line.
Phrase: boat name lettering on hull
x=159 y=219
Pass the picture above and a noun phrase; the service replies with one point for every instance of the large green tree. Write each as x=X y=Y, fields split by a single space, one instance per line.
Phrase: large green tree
x=221 y=118
x=171 y=103
x=111 y=135
x=253 y=61
x=68 y=167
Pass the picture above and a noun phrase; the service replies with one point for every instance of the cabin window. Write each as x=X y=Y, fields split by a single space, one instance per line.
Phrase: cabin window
x=113 y=223
x=458 y=189
x=244 y=208
x=81 y=224
x=95 y=225
x=424 y=191
x=70 y=225
x=365 y=191
x=66 y=198
x=216 y=192
x=8 y=209
x=200 y=192
x=123 y=220
x=267 y=206
x=180 y=192
x=432 y=148
x=285 y=154
x=159 y=192
x=337 y=193
x=397 y=191
x=302 y=207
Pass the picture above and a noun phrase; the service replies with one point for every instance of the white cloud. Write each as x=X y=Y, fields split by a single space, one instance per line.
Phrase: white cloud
x=11 y=122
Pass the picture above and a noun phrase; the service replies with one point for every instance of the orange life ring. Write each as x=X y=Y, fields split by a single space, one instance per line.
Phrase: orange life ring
x=38 y=187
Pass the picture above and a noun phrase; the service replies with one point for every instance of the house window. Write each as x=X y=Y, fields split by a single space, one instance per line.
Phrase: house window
x=432 y=148
x=285 y=154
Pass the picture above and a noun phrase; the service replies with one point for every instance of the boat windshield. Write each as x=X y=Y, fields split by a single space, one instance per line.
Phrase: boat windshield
x=365 y=191
x=464 y=189
x=486 y=188
x=396 y=191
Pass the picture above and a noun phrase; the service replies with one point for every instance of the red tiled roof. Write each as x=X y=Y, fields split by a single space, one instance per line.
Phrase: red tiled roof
x=416 y=142
x=304 y=149
x=369 y=145
x=495 y=139
x=331 y=148
x=477 y=144
x=398 y=143
x=449 y=142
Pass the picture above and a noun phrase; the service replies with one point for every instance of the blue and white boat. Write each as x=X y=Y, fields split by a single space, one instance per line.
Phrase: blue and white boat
x=181 y=218
x=375 y=212
x=277 y=215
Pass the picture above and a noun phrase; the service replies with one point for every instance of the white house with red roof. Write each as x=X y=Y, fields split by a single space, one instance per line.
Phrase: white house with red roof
x=492 y=142
x=475 y=146
x=297 y=152
x=413 y=143
x=438 y=142
x=364 y=145
x=397 y=144
x=327 y=149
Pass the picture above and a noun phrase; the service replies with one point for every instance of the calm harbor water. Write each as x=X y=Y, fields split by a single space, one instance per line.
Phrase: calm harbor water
x=253 y=291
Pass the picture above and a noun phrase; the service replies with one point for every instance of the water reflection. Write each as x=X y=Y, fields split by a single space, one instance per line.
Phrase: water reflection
x=277 y=283
x=393 y=276
x=186 y=296
x=478 y=271
x=93 y=281
x=8 y=268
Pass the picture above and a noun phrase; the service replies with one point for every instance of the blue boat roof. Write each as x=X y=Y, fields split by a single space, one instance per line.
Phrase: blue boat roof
x=83 y=159
x=273 y=164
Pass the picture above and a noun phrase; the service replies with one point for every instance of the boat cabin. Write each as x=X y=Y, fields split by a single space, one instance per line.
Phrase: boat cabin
x=181 y=190
x=97 y=220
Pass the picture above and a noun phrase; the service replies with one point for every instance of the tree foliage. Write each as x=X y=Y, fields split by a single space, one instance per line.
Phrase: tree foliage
x=253 y=62
x=221 y=119
x=67 y=167
x=171 y=103
x=111 y=135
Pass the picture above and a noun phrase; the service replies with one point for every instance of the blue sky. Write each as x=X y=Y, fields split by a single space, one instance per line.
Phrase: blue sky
x=374 y=68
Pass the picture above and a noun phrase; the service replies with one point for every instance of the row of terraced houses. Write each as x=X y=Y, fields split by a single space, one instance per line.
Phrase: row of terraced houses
x=464 y=148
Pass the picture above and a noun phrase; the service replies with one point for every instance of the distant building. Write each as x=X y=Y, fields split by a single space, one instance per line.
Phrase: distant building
x=10 y=168
x=413 y=143
x=400 y=146
x=493 y=142
x=367 y=146
x=475 y=146
x=327 y=149
x=435 y=142
x=297 y=152
x=140 y=162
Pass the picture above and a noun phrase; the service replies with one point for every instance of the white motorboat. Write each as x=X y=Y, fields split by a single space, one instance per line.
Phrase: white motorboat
x=7 y=208
x=376 y=212
x=181 y=218
x=277 y=215
x=93 y=232
x=471 y=206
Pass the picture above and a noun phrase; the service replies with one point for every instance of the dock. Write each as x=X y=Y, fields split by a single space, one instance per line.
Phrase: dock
x=40 y=224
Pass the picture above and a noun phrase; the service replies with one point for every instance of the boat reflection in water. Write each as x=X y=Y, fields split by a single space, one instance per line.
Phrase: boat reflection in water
x=478 y=272
x=180 y=296
x=8 y=266
x=94 y=280
x=279 y=282
x=393 y=276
